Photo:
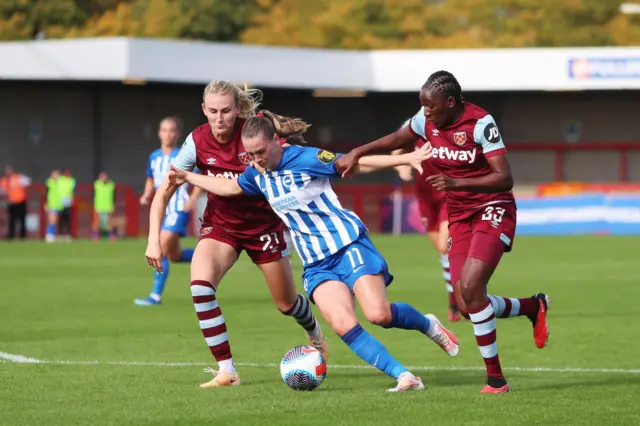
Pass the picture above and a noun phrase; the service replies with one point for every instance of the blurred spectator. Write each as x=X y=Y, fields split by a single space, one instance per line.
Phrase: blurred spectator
x=13 y=186
x=103 y=206
x=66 y=189
x=54 y=206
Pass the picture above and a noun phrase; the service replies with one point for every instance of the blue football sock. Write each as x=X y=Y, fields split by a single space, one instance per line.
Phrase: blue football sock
x=160 y=279
x=51 y=229
x=407 y=317
x=370 y=350
x=186 y=255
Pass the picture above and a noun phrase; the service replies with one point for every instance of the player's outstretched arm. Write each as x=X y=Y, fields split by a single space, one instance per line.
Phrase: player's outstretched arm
x=159 y=205
x=215 y=185
x=398 y=139
x=404 y=172
x=414 y=159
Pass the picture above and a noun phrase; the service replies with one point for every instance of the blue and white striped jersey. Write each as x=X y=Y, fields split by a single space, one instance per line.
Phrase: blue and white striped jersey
x=157 y=169
x=300 y=193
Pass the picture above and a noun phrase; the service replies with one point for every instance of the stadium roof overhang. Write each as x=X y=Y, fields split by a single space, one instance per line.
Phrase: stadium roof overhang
x=189 y=62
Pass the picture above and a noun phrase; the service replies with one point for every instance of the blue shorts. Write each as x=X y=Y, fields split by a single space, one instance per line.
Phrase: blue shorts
x=347 y=265
x=177 y=223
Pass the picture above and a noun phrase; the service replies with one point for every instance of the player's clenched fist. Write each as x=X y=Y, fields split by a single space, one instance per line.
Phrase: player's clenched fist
x=145 y=199
x=442 y=182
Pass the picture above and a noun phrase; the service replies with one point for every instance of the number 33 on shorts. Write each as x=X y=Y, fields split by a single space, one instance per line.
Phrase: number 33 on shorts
x=501 y=221
x=493 y=214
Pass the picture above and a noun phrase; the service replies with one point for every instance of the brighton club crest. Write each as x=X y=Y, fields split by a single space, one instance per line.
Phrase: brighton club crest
x=244 y=157
x=460 y=137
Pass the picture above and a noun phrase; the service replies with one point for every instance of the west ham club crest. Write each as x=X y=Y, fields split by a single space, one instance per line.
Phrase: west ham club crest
x=244 y=157
x=460 y=137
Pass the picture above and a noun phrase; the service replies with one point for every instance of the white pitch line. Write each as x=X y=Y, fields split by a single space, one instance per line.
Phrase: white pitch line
x=20 y=359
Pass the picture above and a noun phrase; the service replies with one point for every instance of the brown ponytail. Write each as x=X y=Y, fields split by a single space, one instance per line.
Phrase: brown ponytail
x=268 y=124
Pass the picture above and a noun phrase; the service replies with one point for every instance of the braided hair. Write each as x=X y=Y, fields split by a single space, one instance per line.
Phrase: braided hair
x=445 y=83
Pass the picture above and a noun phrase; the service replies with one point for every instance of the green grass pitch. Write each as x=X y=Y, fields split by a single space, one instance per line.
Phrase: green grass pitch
x=73 y=303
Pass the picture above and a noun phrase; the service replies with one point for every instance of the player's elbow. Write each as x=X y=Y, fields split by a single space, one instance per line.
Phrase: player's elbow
x=501 y=182
x=508 y=182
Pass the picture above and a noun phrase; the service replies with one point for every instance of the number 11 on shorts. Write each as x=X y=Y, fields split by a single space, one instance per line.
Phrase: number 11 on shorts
x=356 y=258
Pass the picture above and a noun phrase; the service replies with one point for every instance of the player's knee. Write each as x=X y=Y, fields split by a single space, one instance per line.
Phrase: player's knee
x=462 y=307
x=173 y=253
x=170 y=251
x=173 y=257
x=475 y=275
x=380 y=316
x=472 y=296
x=466 y=290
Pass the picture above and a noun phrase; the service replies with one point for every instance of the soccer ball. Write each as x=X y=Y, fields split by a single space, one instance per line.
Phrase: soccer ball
x=303 y=368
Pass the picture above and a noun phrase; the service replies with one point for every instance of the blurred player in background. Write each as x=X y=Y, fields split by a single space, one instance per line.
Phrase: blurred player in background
x=231 y=225
x=470 y=155
x=433 y=209
x=66 y=189
x=53 y=206
x=339 y=258
x=13 y=186
x=104 y=198
x=177 y=213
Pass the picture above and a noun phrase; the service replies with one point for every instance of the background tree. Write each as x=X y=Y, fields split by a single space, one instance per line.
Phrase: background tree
x=397 y=24
x=344 y=24
x=23 y=19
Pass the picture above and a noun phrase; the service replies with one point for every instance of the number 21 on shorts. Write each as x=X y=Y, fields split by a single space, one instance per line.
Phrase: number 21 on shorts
x=268 y=238
x=355 y=258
